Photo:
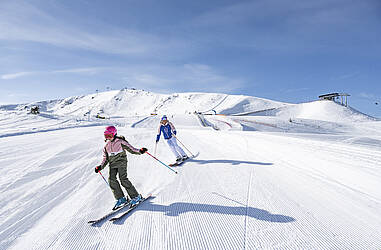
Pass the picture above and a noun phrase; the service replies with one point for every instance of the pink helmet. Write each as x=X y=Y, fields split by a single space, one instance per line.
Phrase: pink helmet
x=110 y=130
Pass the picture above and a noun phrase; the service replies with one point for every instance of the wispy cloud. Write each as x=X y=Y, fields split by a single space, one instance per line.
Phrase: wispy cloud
x=296 y=90
x=17 y=95
x=16 y=75
x=88 y=71
x=91 y=70
x=350 y=75
x=291 y=25
x=275 y=13
x=147 y=79
x=187 y=77
x=346 y=76
x=207 y=78
x=21 y=21
x=368 y=96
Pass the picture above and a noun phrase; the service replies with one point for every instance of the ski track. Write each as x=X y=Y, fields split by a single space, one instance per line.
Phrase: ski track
x=285 y=201
x=271 y=152
x=324 y=181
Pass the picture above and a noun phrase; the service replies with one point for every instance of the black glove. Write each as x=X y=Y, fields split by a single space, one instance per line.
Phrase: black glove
x=97 y=169
x=143 y=150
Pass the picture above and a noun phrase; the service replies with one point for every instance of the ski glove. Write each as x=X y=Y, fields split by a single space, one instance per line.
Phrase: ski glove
x=157 y=138
x=175 y=132
x=97 y=169
x=143 y=150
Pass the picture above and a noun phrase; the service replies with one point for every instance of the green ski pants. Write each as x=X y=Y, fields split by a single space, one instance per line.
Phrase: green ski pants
x=115 y=186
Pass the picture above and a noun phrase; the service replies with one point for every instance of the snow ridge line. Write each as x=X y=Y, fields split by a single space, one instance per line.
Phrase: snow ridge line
x=255 y=122
x=206 y=123
x=140 y=121
x=253 y=112
x=225 y=97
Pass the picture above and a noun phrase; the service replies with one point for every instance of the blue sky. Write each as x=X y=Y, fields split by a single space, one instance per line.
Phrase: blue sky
x=285 y=50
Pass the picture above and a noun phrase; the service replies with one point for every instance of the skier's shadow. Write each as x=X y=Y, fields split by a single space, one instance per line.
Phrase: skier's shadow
x=178 y=208
x=232 y=162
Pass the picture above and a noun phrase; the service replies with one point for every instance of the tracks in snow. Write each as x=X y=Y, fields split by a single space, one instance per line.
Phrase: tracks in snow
x=244 y=191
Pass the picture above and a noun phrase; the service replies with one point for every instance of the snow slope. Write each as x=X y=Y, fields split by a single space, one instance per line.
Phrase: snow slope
x=312 y=117
x=322 y=110
x=264 y=183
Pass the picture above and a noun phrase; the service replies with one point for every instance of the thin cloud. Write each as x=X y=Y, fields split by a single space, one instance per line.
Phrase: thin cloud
x=16 y=75
x=292 y=25
x=296 y=90
x=187 y=77
x=21 y=21
x=367 y=96
x=346 y=76
x=89 y=71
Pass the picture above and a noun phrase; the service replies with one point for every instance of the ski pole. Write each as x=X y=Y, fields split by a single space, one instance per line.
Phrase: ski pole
x=161 y=162
x=104 y=178
x=183 y=145
x=154 y=152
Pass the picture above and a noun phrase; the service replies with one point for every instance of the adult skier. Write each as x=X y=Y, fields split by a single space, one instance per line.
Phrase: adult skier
x=114 y=154
x=167 y=128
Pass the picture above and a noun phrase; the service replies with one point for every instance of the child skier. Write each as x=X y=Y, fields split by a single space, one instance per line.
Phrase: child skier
x=114 y=154
x=167 y=128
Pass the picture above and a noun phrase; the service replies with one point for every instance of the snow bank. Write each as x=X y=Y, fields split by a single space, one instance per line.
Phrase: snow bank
x=234 y=105
x=322 y=110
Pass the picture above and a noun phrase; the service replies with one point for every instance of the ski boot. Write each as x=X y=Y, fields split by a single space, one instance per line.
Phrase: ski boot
x=119 y=203
x=179 y=159
x=136 y=200
x=185 y=157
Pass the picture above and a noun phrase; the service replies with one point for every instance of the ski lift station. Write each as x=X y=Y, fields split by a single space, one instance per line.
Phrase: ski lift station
x=335 y=97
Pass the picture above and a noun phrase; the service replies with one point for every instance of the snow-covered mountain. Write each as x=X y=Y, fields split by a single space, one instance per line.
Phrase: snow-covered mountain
x=130 y=102
x=268 y=175
x=138 y=108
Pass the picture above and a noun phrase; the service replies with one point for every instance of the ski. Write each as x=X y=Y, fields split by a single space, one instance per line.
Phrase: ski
x=176 y=164
x=181 y=162
x=109 y=214
x=131 y=209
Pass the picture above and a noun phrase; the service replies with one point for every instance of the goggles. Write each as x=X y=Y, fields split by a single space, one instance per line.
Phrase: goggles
x=109 y=136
